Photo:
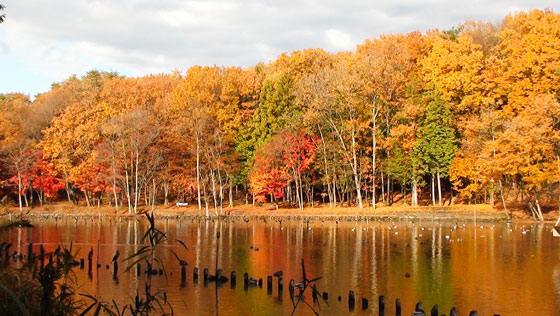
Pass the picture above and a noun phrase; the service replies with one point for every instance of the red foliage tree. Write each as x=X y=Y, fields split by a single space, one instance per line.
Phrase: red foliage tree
x=282 y=161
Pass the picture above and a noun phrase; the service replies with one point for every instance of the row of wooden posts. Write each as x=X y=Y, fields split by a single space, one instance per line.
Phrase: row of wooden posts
x=248 y=282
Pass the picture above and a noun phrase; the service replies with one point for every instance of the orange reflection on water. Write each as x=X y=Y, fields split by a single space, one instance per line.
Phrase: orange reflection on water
x=493 y=268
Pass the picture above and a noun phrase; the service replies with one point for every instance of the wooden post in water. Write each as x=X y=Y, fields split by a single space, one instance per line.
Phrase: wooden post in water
x=435 y=310
x=280 y=284
x=280 y=288
x=291 y=288
x=398 y=307
x=325 y=296
x=82 y=263
x=365 y=303
x=246 y=281
x=195 y=275
x=381 y=305
x=115 y=269
x=351 y=300
x=233 y=278
x=260 y=282
x=269 y=285
x=206 y=273
x=138 y=269
x=183 y=275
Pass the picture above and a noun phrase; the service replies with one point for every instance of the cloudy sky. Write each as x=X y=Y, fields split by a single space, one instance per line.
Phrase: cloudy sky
x=45 y=41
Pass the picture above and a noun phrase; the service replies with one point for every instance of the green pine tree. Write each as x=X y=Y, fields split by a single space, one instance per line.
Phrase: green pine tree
x=275 y=109
x=437 y=141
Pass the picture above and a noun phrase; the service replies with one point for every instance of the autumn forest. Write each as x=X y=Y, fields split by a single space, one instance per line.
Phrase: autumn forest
x=465 y=115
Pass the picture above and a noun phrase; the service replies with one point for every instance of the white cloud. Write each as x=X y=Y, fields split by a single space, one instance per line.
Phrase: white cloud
x=56 y=38
x=339 y=40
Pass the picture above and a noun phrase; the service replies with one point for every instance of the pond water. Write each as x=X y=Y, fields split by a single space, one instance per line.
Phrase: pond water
x=494 y=268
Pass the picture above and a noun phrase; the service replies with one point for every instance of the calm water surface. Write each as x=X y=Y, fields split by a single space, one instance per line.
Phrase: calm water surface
x=508 y=269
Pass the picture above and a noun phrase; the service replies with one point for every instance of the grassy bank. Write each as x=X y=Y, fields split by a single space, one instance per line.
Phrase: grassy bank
x=453 y=212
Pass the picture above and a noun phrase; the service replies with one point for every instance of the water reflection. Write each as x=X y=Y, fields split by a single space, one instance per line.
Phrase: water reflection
x=493 y=268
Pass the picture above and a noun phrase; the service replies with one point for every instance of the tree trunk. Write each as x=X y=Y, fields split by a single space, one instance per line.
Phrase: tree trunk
x=439 y=188
x=19 y=189
x=67 y=185
x=499 y=181
x=491 y=193
x=558 y=220
x=205 y=200
x=221 y=184
x=389 y=190
x=356 y=175
x=136 y=184
x=25 y=199
x=374 y=149
x=353 y=160
x=502 y=195
x=300 y=191
x=414 y=194
x=214 y=191
x=539 y=211
x=533 y=211
x=87 y=199
x=198 y=172
x=382 y=186
x=128 y=193
x=153 y=193
x=230 y=195
x=329 y=189
x=433 y=192
x=289 y=193
x=114 y=179
x=146 y=198
x=298 y=197
x=334 y=192
x=165 y=193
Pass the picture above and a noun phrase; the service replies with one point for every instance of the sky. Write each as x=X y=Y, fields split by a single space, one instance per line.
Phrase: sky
x=46 y=41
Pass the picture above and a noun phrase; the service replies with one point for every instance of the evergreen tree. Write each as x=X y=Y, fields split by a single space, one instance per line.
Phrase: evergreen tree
x=437 y=141
x=275 y=108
